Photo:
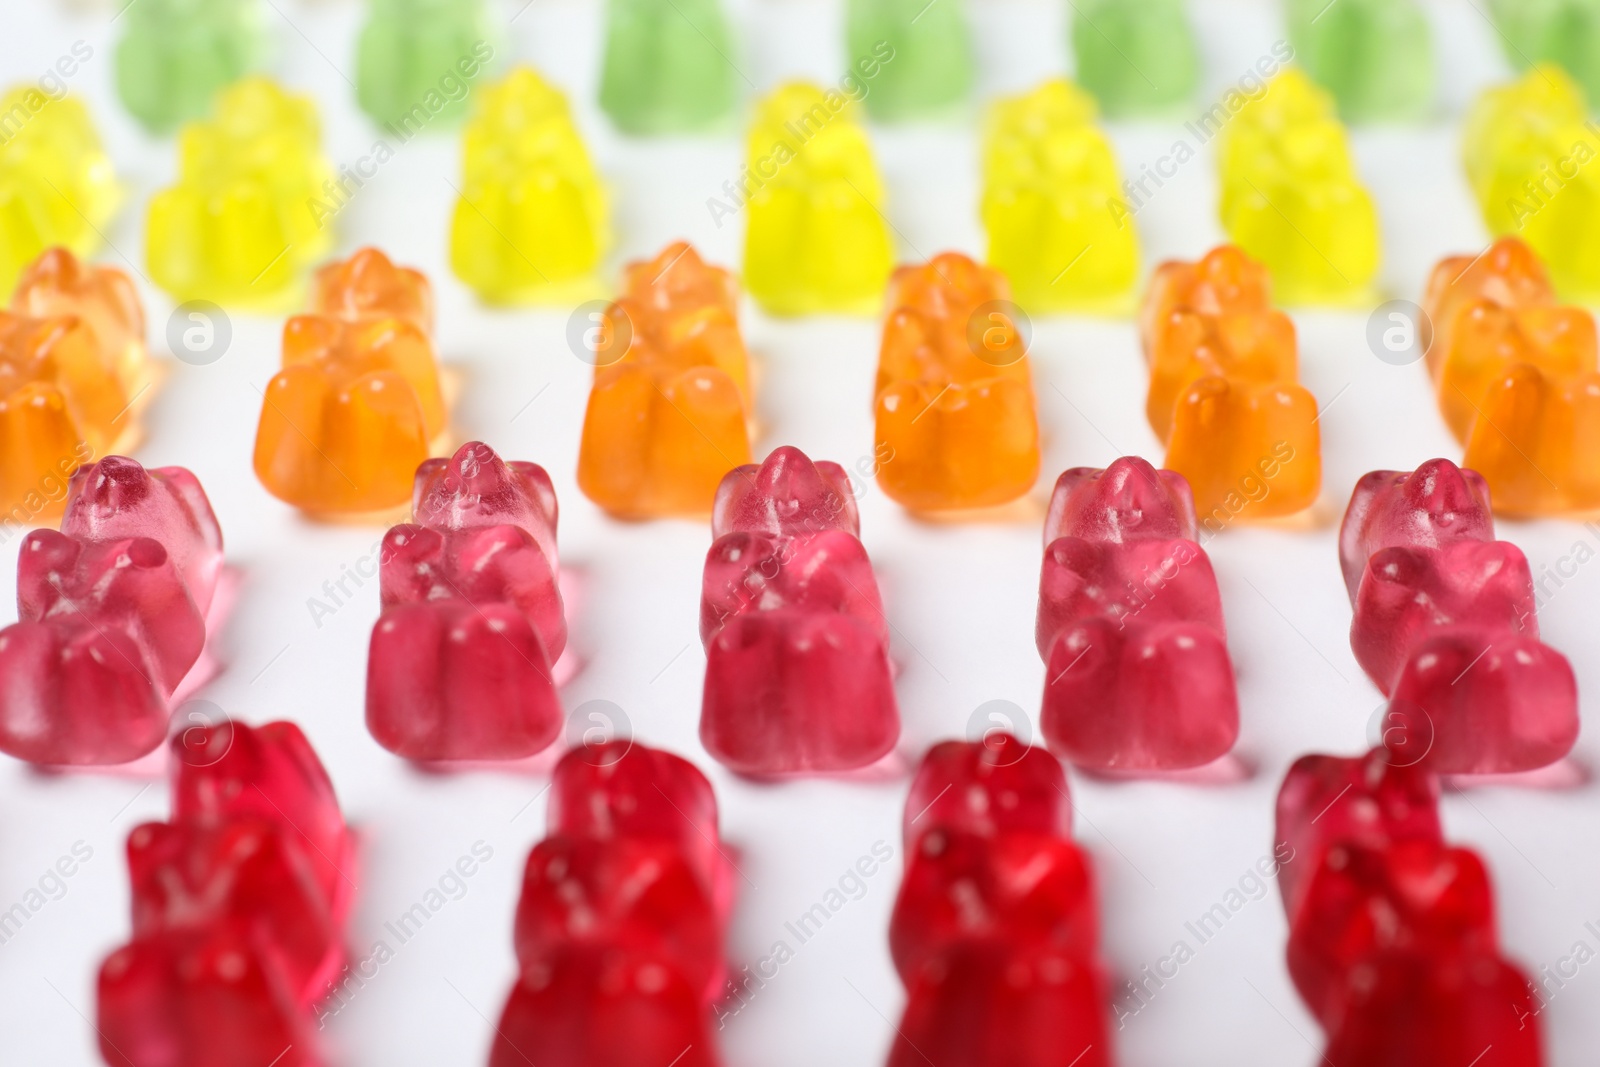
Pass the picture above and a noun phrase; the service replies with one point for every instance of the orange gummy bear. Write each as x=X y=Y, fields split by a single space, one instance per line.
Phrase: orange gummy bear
x=956 y=426
x=104 y=298
x=669 y=412
x=358 y=404
x=1509 y=274
x=61 y=405
x=1224 y=395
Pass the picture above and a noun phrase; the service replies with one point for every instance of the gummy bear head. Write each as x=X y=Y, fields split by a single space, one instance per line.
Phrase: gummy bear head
x=786 y=495
x=1127 y=501
x=475 y=487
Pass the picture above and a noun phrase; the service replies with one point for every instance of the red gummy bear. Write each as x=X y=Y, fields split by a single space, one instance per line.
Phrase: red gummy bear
x=637 y=894
x=786 y=496
x=987 y=788
x=797 y=661
x=1367 y=801
x=1413 y=895
x=232 y=771
x=1435 y=506
x=589 y=1006
x=460 y=664
x=1027 y=890
x=1130 y=583
x=247 y=873
x=1420 y=1008
x=199 y=999
x=1127 y=501
x=983 y=1004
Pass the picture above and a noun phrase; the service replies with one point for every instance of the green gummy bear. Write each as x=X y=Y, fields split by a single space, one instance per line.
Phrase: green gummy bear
x=1374 y=56
x=1566 y=32
x=669 y=65
x=416 y=61
x=920 y=49
x=1138 y=57
x=175 y=54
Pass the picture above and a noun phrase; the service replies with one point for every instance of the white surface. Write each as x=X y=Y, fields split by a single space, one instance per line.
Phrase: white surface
x=961 y=599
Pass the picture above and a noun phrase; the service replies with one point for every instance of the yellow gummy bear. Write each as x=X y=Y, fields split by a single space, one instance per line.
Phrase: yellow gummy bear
x=242 y=222
x=56 y=182
x=1052 y=203
x=1291 y=197
x=816 y=240
x=531 y=224
x=1529 y=149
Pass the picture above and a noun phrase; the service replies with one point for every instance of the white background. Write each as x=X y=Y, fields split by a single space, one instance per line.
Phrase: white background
x=961 y=598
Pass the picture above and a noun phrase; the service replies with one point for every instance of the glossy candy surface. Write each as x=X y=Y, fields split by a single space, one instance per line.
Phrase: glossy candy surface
x=987 y=788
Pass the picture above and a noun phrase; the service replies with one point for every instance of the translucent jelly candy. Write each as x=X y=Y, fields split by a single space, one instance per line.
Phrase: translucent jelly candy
x=987 y=788
x=1508 y=274
x=926 y=53
x=955 y=404
x=175 y=54
x=357 y=405
x=1374 y=56
x=419 y=54
x=1561 y=32
x=669 y=413
x=786 y=496
x=1223 y=394
x=369 y=285
x=1130 y=627
x=816 y=240
x=797 y=665
x=1526 y=146
x=56 y=182
x=1291 y=196
x=1444 y=624
x=531 y=224
x=1369 y=801
x=1136 y=56
x=104 y=299
x=237 y=227
x=461 y=661
x=1051 y=203
x=112 y=616
x=669 y=65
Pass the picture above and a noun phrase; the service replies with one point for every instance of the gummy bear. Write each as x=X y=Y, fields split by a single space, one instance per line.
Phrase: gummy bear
x=669 y=413
x=817 y=240
x=1535 y=440
x=243 y=220
x=1526 y=146
x=1138 y=57
x=1030 y=891
x=987 y=788
x=112 y=616
x=369 y=285
x=1052 y=203
x=787 y=495
x=352 y=414
x=56 y=182
x=1565 y=33
x=1374 y=56
x=58 y=284
x=1435 y=506
x=956 y=426
x=797 y=665
x=176 y=54
x=924 y=52
x=1507 y=274
x=1291 y=196
x=1223 y=394
x=1361 y=901
x=461 y=661
x=415 y=56
x=531 y=223
x=1127 y=501
x=669 y=65
x=1370 y=801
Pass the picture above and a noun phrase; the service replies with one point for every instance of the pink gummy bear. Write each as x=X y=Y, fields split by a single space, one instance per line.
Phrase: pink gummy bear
x=1130 y=625
x=987 y=788
x=461 y=661
x=249 y=873
x=233 y=771
x=1368 y=800
x=797 y=662
x=1435 y=506
x=1127 y=501
x=112 y=616
x=1444 y=624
